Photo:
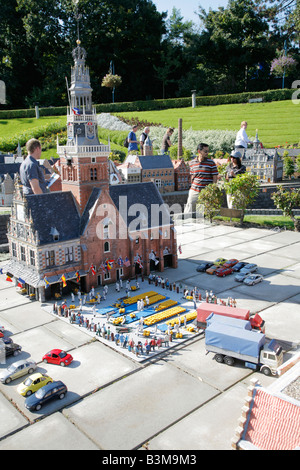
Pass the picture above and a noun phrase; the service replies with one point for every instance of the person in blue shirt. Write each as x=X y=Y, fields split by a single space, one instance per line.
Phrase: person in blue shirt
x=132 y=141
x=31 y=173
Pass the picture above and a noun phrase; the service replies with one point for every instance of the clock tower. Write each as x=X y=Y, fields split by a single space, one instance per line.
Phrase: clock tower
x=83 y=160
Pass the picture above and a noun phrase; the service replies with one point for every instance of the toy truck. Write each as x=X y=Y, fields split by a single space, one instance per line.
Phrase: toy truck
x=231 y=338
x=205 y=309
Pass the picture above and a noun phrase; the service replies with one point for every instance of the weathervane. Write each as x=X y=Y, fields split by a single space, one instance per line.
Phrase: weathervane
x=78 y=16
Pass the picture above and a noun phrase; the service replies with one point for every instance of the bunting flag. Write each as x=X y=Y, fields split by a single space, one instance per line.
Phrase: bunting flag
x=77 y=276
x=76 y=111
x=93 y=269
x=120 y=261
x=63 y=280
x=126 y=262
x=47 y=283
x=139 y=262
x=109 y=264
x=9 y=278
x=21 y=281
x=102 y=267
x=180 y=249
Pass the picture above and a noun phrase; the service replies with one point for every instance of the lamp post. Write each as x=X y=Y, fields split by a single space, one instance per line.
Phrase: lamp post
x=112 y=71
x=285 y=50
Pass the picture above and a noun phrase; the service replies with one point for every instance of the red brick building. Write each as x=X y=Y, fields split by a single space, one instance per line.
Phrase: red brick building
x=90 y=232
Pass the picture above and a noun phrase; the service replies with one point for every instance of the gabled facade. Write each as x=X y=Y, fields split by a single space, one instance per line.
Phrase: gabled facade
x=94 y=231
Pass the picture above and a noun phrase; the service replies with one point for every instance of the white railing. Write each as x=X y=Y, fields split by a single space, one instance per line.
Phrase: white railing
x=83 y=149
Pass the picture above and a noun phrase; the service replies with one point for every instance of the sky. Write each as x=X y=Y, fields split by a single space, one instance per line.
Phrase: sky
x=187 y=7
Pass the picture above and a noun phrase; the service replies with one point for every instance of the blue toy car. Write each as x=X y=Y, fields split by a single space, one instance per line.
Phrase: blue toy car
x=52 y=390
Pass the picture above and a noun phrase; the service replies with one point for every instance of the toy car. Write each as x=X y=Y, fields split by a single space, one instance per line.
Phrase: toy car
x=57 y=356
x=239 y=266
x=230 y=263
x=16 y=370
x=33 y=383
x=222 y=272
x=253 y=279
x=249 y=268
x=240 y=277
x=212 y=269
x=203 y=267
x=12 y=349
x=52 y=390
x=220 y=261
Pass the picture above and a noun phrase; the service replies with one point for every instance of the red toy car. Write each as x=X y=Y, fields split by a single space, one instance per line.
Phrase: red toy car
x=59 y=357
x=230 y=263
x=222 y=272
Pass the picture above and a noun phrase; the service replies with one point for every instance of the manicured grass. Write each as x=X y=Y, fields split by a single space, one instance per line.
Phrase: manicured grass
x=277 y=122
x=10 y=127
x=271 y=221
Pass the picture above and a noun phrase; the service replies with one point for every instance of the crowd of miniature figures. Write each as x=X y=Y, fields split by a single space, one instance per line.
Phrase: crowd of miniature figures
x=106 y=329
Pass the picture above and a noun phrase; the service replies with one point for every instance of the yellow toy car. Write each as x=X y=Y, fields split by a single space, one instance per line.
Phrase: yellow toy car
x=33 y=383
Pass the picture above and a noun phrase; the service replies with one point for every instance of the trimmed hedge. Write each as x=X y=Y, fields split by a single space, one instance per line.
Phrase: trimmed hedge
x=152 y=105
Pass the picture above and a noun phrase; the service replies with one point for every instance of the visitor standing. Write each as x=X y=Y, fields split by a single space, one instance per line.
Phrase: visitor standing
x=132 y=141
x=143 y=138
x=203 y=171
x=242 y=140
x=166 y=143
x=31 y=173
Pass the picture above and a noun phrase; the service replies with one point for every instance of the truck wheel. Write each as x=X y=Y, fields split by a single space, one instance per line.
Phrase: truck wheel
x=229 y=360
x=219 y=358
x=266 y=371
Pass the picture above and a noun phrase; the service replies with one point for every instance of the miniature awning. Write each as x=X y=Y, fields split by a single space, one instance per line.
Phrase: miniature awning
x=34 y=278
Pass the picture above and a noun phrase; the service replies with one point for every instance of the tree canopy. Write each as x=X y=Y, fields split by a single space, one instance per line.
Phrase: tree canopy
x=230 y=49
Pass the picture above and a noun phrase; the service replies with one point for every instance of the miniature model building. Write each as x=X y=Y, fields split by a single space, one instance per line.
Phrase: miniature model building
x=265 y=163
x=156 y=168
x=93 y=231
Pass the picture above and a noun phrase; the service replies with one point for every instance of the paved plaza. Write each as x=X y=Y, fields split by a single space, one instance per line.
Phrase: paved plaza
x=174 y=398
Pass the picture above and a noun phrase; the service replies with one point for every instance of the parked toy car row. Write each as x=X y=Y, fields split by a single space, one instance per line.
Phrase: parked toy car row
x=37 y=388
x=222 y=267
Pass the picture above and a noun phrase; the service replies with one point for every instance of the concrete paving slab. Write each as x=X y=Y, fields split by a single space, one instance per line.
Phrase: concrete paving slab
x=10 y=298
x=256 y=247
x=268 y=263
x=24 y=317
x=251 y=234
x=239 y=253
x=194 y=360
x=52 y=433
x=283 y=320
x=285 y=237
x=11 y=420
x=94 y=366
x=209 y=428
x=275 y=286
x=293 y=270
x=290 y=251
x=130 y=412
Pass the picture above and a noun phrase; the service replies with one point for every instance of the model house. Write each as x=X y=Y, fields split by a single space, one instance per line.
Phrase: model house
x=94 y=230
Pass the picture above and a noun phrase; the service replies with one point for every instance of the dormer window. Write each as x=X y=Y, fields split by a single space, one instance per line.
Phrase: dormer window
x=55 y=234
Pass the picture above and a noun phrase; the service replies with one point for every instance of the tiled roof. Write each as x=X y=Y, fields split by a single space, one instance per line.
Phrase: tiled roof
x=144 y=194
x=273 y=423
x=56 y=210
x=152 y=162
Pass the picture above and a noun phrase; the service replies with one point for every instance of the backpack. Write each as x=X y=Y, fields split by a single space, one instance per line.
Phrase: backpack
x=126 y=143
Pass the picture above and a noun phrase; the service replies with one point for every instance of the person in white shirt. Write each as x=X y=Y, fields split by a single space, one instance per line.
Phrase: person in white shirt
x=242 y=139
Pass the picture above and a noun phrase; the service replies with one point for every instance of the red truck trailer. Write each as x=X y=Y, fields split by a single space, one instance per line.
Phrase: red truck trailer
x=205 y=309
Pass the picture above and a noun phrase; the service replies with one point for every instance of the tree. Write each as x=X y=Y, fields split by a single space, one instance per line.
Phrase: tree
x=287 y=200
x=211 y=198
x=233 y=41
x=244 y=190
x=288 y=166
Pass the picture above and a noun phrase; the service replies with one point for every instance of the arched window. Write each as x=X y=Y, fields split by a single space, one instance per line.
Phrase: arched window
x=106 y=247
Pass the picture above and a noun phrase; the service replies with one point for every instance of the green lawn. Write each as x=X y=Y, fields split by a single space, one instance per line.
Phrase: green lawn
x=10 y=127
x=277 y=122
